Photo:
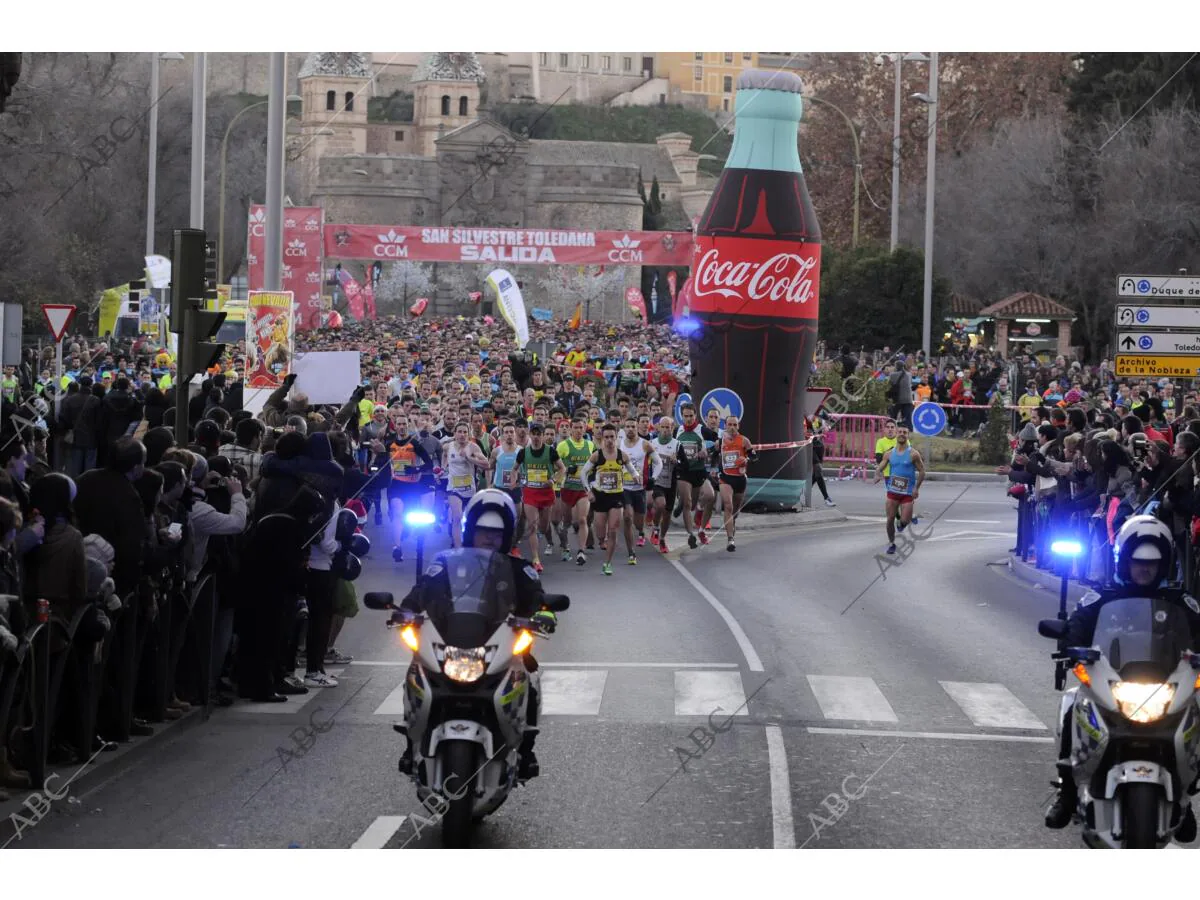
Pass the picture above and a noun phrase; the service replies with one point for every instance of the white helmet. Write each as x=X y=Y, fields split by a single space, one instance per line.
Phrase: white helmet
x=1145 y=539
x=490 y=508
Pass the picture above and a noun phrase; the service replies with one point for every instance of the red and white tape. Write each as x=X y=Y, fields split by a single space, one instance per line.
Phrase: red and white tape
x=789 y=445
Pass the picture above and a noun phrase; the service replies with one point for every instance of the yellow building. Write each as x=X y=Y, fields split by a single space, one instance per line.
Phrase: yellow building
x=710 y=75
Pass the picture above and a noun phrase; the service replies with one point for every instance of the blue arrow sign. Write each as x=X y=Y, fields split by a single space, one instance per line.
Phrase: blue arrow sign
x=1143 y=286
x=682 y=399
x=929 y=419
x=1145 y=342
x=1143 y=315
x=724 y=401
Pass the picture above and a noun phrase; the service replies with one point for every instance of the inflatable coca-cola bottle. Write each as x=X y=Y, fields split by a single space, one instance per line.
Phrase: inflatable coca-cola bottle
x=755 y=281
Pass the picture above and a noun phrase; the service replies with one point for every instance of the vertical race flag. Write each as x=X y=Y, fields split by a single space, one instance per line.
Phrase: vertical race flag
x=577 y=317
x=353 y=292
x=270 y=326
x=303 y=263
x=510 y=303
x=636 y=302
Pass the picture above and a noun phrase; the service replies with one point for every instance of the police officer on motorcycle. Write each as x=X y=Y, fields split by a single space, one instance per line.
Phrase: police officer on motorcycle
x=1144 y=553
x=489 y=523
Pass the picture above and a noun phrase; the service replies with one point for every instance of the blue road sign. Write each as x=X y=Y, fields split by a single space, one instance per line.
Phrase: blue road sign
x=929 y=419
x=1143 y=286
x=682 y=399
x=724 y=401
x=1145 y=342
x=1143 y=315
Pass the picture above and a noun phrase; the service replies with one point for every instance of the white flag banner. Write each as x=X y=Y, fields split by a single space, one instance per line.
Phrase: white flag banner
x=510 y=303
x=158 y=271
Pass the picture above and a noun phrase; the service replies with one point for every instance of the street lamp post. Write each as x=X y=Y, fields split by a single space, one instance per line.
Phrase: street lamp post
x=221 y=213
x=898 y=59
x=857 y=161
x=931 y=99
x=152 y=174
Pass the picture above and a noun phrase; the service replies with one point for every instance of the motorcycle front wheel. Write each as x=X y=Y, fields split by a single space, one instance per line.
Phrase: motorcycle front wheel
x=1140 y=815
x=459 y=771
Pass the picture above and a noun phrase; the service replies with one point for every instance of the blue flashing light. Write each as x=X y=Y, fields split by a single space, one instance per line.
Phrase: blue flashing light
x=419 y=518
x=687 y=326
x=1066 y=548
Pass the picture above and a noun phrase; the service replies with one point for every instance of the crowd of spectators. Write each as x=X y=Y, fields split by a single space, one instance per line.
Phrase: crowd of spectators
x=164 y=574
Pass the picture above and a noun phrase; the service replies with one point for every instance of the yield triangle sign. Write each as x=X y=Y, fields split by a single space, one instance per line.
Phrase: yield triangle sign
x=58 y=317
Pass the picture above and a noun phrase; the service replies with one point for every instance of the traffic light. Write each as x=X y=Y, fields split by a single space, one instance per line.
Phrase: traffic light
x=197 y=354
x=210 y=273
x=136 y=289
x=188 y=262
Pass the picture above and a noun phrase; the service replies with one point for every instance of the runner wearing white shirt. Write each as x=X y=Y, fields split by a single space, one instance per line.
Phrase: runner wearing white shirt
x=463 y=458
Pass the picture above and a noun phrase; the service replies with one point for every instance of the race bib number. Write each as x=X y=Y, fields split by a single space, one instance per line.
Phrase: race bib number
x=608 y=481
x=536 y=477
x=509 y=478
x=688 y=449
x=460 y=481
x=731 y=460
x=899 y=484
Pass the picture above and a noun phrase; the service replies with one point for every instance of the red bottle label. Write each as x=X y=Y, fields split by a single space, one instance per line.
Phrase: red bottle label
x=755 y=277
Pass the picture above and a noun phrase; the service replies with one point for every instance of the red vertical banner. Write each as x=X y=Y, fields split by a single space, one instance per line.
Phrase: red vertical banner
x=671 y=279
x=303 y=258
x=636 y=302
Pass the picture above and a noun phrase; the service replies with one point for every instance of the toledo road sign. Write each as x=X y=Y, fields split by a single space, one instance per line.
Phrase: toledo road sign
x=1158 y=316
x=1157 y=286
x=1157 y=365
x=1160 y=342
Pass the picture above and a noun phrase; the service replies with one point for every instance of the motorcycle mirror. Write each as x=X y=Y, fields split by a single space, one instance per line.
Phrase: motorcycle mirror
x=556 y=602
x=378 y=600
x=1052 y=628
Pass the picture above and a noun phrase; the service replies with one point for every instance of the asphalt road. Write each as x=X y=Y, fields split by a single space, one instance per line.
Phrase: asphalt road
x=907 y=706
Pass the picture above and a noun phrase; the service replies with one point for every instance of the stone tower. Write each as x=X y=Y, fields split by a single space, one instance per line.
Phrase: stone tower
x=446 y=90
x=333 y=88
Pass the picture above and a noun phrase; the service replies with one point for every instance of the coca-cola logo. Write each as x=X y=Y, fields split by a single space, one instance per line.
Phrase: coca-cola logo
x=784 y=276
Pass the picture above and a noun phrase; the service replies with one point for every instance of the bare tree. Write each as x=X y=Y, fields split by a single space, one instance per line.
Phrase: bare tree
x=595 y=287
x=1008 y=217
x=400 y=283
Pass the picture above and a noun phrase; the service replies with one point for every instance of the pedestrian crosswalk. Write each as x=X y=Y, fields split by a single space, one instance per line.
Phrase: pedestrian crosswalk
x=662 y=691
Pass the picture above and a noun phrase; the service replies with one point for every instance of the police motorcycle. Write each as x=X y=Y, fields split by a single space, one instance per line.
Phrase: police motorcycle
x=1132 y=722
x=467 y=690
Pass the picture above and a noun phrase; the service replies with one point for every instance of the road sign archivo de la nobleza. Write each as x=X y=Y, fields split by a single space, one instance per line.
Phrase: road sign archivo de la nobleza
x=1157 y=365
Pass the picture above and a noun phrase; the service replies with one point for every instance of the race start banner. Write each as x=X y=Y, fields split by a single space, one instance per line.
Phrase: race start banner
x=303 y=265
x=508 y=245
x=270 y=327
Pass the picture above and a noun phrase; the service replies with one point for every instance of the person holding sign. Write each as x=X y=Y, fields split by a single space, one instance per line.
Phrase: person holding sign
x=539 y=465
x=906 y=466
x=462 y=459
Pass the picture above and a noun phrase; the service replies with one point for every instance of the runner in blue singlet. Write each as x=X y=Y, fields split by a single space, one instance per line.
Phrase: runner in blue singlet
x=906 y=475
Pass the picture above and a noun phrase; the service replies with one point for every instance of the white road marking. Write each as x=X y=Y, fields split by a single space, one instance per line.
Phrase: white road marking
x=781 y=792
x=378 y=833
x=395 y=663
x=703 y=693
x=393 y=704
x=635 y=665
x=573 y=693
x=972 y=535
x=753 y=663
x=973 y=521
x=851 y=697
x=934 y=735
x=991 y=705
x=295 y=702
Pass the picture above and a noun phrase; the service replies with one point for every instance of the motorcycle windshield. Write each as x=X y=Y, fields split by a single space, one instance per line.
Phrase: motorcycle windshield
x=1142 y=636
x=473 y=596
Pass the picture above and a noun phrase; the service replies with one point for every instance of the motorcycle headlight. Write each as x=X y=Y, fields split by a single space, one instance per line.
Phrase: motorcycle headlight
x=1142 y=702
x=464 y=665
